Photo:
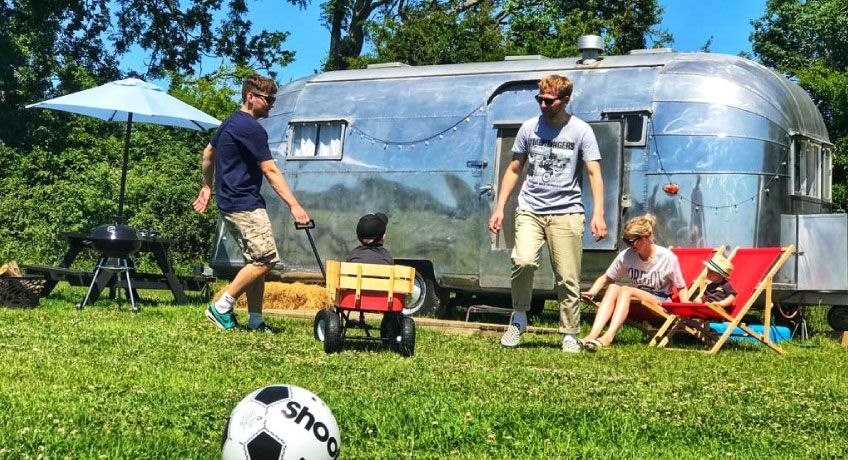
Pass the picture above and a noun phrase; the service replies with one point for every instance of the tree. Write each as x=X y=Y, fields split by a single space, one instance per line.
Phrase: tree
x=72 y=186
x=347 y=22
x=436 y=32
x=806 y=40
x=53 y=46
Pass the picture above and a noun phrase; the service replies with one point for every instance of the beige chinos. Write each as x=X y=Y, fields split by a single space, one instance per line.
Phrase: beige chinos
x=564 y=235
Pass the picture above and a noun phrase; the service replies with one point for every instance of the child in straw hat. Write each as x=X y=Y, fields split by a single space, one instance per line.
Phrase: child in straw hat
x=718 y=290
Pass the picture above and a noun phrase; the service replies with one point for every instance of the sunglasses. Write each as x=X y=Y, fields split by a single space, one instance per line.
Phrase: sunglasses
x=546 y=100
x=630 y=242
x=268 y=99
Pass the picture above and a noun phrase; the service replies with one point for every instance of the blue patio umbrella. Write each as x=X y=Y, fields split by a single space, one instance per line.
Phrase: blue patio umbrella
x=131 y=100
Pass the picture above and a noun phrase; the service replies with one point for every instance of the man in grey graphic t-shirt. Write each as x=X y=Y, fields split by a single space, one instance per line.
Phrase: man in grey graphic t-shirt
x=555 y=146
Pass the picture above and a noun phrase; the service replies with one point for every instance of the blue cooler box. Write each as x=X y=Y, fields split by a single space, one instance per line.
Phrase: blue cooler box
x=778 y=333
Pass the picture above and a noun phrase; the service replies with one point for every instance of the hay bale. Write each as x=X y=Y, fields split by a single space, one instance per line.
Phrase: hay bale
x=290 y=296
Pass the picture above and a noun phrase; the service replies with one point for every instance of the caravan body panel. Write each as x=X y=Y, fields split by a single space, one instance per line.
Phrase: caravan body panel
x=427 y=145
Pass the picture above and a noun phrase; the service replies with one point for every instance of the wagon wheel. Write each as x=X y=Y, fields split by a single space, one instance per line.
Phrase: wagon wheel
x=332 y=332
x=320 y=324
x=837 y=317
x=406 y=346
x=390 y=329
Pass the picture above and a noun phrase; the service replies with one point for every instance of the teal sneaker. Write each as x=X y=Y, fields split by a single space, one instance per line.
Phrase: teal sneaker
x=222 y=320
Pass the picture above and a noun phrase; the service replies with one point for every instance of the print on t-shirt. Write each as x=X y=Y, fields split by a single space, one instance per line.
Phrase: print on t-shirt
x=646 y=281
x=551 y=163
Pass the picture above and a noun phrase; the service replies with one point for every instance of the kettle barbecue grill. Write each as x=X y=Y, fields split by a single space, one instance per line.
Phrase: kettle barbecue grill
x=115 y=240
x=116 y=243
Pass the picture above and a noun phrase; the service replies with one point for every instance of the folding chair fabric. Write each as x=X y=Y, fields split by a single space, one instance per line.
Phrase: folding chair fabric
x=691 y=261
x=752 y=278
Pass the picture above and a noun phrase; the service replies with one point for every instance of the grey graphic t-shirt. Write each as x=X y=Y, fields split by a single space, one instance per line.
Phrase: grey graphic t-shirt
x=555 y=158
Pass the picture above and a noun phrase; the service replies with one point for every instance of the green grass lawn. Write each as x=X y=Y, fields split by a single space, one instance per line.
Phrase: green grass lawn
x=103 y=383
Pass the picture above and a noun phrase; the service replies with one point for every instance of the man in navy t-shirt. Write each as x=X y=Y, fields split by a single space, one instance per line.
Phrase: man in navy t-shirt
x=238 y=158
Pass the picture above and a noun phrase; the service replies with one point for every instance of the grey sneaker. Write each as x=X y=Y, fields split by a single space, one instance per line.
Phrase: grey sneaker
x=222 y=320
x=570 y=344
x=512 y=337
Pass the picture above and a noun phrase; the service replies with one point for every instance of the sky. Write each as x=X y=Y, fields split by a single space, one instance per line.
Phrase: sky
x=691 y=22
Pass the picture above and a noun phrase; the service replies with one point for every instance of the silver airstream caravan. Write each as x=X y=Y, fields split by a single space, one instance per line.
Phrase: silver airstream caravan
x=723 y=150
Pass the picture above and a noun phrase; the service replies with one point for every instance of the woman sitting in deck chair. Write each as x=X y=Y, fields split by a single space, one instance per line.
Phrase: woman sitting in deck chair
x=653 y=270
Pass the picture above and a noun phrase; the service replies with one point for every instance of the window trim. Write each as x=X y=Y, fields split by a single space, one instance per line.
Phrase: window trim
x=811 y=169
x=339 y=124
x=623 y=117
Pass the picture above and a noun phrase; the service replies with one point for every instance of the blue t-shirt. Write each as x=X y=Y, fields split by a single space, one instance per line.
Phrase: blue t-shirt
x=240 y=143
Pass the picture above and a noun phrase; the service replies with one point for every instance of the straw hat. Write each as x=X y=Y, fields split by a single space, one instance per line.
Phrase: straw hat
x=720 y=265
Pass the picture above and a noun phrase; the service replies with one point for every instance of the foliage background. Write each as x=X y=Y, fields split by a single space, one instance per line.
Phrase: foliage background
x=59 y=172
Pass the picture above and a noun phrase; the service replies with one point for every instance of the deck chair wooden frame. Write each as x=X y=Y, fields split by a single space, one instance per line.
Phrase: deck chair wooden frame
x=753 y=278
x=691 y=261
x=369 y=287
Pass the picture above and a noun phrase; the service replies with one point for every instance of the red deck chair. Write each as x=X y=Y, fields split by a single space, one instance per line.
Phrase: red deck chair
x=691 y=261
x=752 y=278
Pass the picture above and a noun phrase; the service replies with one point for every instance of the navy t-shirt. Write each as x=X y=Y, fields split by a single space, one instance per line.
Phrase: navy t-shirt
x=240 y=143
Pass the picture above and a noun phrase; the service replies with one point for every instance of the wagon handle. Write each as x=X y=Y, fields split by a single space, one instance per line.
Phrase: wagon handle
x=307 y=226
x=310 y=224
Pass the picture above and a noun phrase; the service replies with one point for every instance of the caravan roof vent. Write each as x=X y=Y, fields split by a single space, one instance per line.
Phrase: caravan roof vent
x=383 y=65
x=590 y=47
x=525 y=57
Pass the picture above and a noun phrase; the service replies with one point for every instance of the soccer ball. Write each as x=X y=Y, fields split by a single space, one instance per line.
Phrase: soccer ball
x=281 y=422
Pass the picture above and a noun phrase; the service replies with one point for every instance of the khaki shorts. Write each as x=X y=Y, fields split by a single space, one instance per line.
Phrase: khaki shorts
x=252 y=231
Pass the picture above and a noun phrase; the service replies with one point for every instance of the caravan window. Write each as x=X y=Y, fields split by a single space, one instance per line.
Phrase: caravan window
x=809 y=178
x=635 y=127
x=316 y=140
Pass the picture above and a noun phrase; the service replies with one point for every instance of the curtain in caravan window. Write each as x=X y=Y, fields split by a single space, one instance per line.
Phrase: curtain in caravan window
x=304 y=140
x=827 y=174
x=800 y=167
x=330 y=140
x=813 y=169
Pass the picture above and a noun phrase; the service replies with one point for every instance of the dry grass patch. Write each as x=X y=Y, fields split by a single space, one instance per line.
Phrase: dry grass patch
x=290 y=296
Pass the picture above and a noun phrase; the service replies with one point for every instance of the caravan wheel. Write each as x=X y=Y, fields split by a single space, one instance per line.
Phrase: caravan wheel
x=427 y=299
x=837 y=317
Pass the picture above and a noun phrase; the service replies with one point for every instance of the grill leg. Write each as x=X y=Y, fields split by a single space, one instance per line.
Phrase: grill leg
x=122 y=266
x=84 y=302
x=126 y=267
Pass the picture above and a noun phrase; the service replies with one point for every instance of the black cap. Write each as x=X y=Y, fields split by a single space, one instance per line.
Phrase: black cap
x=372 y=226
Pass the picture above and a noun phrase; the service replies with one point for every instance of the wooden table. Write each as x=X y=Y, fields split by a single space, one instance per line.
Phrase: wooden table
x=158 y=247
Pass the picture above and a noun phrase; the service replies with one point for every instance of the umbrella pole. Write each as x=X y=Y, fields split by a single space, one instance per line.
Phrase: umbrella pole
x=124 y=169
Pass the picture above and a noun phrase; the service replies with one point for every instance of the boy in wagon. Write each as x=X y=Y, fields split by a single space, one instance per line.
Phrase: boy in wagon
x=371 y=232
